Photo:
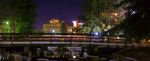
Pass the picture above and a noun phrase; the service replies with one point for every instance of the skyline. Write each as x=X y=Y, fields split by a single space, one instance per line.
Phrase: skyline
x=66 y=10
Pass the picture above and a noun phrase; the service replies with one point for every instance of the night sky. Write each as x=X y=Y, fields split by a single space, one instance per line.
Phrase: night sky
x=66 y=10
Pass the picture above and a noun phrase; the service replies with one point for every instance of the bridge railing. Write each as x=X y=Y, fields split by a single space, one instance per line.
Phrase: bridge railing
x=61 y=37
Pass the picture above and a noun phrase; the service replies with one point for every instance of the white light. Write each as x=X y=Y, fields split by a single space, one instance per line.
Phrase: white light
x=96 y=33
x=74 y=23
x=80 y=23
x=7 y=23
x=108 y=33
x=74 y=57
x=116 y=14
x=105 y=39
x=118 y=37
x=53 y=30
x=134 y=12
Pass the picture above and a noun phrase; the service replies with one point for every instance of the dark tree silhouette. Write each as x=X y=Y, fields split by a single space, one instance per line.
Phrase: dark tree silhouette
x=136 y=25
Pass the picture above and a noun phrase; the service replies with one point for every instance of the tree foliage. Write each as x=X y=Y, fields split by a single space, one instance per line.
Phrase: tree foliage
x=63 y=28
x=136 y=25
x=24 y=10
x=92 y=10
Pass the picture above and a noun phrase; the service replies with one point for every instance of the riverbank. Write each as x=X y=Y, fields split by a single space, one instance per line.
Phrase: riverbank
x=140 y=53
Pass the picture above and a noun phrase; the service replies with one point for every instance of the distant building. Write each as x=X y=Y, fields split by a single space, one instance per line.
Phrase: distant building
x=54 y=26
x=69 y=29
x=77 y=23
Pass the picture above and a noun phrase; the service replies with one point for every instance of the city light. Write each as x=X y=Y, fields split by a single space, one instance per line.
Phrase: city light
x=105 y=29
x=148 y=40
x=7 y=22
x=118 y=37
x=80 y=23
x=74 y=30
x=116 y=14
x=53 y=30
x=74 y=57
x=96 y=33
x=7 y=26
x=134 y=12
x=108 y=33
x=74 y=23
x=105 y=39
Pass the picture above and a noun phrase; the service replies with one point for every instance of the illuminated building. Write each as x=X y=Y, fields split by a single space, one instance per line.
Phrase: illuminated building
x=54 y=26
x=69 y=29
x=77 y=23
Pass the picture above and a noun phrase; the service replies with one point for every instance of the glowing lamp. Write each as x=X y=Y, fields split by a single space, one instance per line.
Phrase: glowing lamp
x=53 y=30
x=96 y=33
x=74 y=57
x=7 y=22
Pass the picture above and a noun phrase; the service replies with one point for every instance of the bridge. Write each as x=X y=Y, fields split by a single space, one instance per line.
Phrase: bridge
x=60 y=38
x=30 y=43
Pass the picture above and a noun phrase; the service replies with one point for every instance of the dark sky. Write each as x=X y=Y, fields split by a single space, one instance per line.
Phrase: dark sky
x=61 y=9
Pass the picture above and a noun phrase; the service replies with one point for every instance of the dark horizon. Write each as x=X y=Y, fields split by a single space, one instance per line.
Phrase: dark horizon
x=61 y=9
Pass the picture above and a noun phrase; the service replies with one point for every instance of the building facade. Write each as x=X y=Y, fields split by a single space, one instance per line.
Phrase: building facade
x=54 y=26
x=69 y=29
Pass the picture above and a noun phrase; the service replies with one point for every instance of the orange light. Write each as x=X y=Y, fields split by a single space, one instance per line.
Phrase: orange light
x=116 y=14
x=57 y=57
x=148 y=40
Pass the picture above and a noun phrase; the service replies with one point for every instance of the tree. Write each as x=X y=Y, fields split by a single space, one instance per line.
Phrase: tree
x=23 y=10
x=136 y=24
x=63 y=28
x=92 y=10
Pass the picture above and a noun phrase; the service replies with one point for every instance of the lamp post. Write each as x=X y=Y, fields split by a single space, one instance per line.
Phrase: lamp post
x=7 y=26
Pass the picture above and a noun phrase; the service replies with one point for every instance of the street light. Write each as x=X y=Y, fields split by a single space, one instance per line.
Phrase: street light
x=116 y=14
x=97 y=34
x=105 y=29
x=7 y=22
x=7 y=26
x=53 y=31
x=74 y=57
x=74 y=23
